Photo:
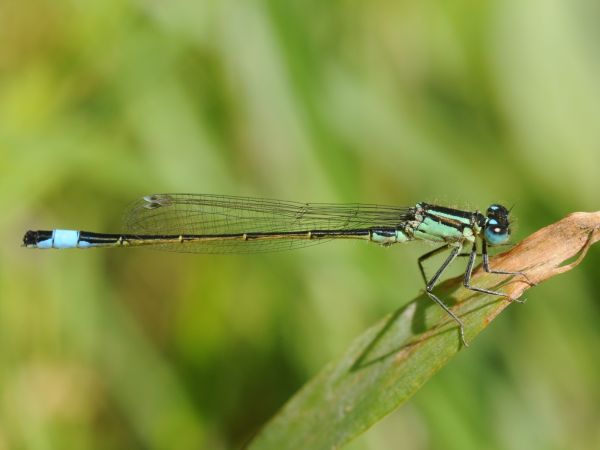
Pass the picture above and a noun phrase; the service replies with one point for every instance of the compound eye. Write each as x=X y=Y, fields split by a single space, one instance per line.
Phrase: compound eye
x=497 y=211
x=495 y=234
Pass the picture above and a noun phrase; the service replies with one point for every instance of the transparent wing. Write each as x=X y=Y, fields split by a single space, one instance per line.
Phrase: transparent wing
x=208 y=215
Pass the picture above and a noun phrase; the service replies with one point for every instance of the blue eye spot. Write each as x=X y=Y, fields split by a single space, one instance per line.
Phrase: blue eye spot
x=492 y=222
x=496 y=235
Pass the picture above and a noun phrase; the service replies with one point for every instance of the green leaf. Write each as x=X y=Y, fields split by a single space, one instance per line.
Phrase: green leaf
x=391 y=360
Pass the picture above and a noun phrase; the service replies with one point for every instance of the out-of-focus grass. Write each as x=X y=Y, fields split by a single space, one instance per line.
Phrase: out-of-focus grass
x=387 y=102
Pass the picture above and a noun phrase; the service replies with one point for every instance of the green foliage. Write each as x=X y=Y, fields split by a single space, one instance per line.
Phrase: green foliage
x=379 y=102
x=382 y=368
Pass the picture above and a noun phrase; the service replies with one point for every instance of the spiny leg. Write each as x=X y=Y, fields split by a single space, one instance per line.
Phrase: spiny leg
x=425 y=257
x=469 y=272
x=429 y=285
x=486 y=265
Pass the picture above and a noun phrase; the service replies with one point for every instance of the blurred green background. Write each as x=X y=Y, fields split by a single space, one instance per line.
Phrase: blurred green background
x=394 y=102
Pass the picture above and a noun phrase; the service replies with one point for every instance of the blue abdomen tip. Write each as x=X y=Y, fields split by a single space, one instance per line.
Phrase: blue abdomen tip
x=65 y=238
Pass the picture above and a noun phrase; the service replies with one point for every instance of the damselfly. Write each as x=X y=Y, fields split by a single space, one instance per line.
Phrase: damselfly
x=227 y=224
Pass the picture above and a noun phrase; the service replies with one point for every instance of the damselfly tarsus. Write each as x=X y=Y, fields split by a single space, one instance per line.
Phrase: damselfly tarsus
x=226 y=224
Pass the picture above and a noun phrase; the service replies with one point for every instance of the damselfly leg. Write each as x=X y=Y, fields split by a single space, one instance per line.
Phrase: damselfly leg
x=429 y=285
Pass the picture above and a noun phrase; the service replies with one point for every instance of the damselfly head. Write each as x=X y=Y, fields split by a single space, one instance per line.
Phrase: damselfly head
x=497 y=226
